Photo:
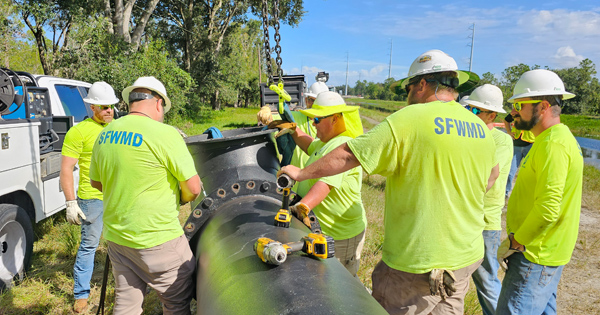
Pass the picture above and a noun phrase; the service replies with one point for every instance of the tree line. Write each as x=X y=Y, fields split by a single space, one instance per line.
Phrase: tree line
x=207 y=53
x=580 y=80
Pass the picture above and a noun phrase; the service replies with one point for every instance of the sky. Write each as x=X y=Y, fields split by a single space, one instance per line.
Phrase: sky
x=334 y=33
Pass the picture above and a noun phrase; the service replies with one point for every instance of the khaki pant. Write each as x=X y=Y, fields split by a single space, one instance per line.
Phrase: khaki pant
x=348 y=252
x=167 y=268
x=408 y=293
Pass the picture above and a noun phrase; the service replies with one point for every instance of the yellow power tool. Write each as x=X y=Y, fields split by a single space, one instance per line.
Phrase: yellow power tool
x=275 y=253
x=283 y=216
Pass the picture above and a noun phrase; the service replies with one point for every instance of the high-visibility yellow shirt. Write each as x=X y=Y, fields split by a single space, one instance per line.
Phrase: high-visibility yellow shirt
x=341 y=214
x=544 y=208
x=437 y=158
x=140 y=163
x=494 y=199
x=78 y=144
x=303 y=123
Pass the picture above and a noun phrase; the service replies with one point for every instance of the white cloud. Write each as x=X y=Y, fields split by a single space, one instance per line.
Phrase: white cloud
x=566 y=57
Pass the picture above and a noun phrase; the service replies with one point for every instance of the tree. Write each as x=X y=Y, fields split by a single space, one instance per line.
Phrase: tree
x=582 y=82
x=200 y=34
x=123 y=14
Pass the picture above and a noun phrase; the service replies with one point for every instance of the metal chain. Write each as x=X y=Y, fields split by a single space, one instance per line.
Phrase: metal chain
x=267 y=45
x=277 y=38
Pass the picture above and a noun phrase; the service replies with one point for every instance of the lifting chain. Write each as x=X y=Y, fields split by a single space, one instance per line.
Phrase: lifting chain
x=277 y=38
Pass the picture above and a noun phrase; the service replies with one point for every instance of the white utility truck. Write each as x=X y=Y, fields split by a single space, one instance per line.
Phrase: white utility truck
x=36 y=113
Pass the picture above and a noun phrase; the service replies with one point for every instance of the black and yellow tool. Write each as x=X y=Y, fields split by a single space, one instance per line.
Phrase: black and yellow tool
x=283 y=216
x=275 y=253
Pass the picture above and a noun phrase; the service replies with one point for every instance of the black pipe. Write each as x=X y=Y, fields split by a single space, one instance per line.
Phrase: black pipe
x=240 y=206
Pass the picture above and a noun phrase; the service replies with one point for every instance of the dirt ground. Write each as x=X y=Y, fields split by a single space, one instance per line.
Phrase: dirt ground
x=579 y=287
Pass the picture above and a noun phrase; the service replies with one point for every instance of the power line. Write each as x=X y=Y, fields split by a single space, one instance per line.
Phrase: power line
x=347 y=66
x=390 y=67
x=472 y=36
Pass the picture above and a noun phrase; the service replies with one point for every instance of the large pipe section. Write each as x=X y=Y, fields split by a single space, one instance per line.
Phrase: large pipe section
x=238 y=172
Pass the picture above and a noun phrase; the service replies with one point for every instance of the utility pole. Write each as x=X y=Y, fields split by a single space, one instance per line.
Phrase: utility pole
x=472 y=45
x=259 y=66
x=347 y=66
x=390 y=67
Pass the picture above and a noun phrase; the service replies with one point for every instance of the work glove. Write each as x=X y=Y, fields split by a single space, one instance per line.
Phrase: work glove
x=264 y=115
x=504 y=251
x=300 y=211
x=283 y=126
x=74 y=212
x=442 y=281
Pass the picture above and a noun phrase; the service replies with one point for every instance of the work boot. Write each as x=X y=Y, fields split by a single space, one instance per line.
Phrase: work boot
x=80 y=306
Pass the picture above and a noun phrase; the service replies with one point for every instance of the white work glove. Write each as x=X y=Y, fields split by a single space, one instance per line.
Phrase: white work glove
x=74 y=212
x=505 y=250
x=264 y=115
x=442 y=281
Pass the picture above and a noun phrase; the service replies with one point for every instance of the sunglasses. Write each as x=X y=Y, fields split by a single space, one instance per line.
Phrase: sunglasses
x=477 y=111
x=105 y=107
x=317 y=120
x=519 y=105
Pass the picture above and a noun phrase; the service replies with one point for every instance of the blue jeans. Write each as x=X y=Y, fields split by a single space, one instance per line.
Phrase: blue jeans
x=519 y=154
x=528 y=288
x=486 y=276
x=91 y=230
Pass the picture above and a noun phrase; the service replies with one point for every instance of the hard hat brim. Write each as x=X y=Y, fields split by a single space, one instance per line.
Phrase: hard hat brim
x=466 y=81
x=565 y=95
x=128 y=90
x=484 y=106
x=97 y=102
x=322 y=111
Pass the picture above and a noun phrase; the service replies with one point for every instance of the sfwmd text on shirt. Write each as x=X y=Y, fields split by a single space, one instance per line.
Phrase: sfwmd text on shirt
x=462 y=128
x=120 y=137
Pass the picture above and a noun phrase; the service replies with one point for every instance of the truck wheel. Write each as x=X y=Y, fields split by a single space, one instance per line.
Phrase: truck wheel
x=16 y=244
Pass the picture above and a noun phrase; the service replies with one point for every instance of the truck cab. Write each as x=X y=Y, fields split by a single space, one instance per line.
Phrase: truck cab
x=36 y=113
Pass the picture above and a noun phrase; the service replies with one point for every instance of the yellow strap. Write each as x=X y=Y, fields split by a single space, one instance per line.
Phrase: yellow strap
x=283 y=94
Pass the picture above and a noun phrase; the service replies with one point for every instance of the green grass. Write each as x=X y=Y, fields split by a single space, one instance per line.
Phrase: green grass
x=225 y=119
x=582 y=126
x=395 y=105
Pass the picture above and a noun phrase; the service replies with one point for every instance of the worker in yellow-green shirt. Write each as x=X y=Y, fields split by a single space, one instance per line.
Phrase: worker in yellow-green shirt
x=85 y=208
x=146 y=171
x=486 y=102
x=522 y=142
x=335 y=200
x=439 y=160
x=542 y=218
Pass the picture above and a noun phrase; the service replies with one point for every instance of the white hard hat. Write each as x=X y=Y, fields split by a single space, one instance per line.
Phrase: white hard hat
x=434 y=61
x=539 y=82
x=101 y=93
x=152 y=84
x=487 y=97
x=463 y=100
x=316 y=88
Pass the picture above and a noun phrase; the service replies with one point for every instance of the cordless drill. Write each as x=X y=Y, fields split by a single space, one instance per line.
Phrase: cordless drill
x=283 y=217
x=275 y=253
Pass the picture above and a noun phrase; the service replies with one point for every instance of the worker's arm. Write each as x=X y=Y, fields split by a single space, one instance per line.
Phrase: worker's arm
x=493 y=176
x=96 y=184
x=302 y=139
x=317 y=193
x=337 y=161
x=190 y=189
x=67 y=182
